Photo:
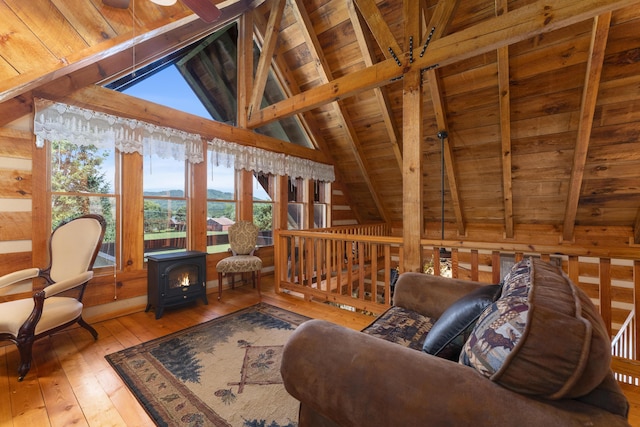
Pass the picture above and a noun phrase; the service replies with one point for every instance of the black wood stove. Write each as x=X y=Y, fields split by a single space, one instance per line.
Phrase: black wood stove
x=176 y=278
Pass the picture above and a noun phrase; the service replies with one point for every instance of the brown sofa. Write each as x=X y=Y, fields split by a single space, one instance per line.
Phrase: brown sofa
x=553 y=368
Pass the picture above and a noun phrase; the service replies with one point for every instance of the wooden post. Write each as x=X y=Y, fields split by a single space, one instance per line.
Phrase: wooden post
x=412 y=171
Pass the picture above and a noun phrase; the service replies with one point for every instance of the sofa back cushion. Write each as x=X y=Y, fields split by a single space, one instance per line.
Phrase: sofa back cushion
x=542 y=337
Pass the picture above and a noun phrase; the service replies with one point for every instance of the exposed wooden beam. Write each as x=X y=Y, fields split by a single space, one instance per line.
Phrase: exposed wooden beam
x=504 y=94
x=245 y=67
x=599 y=38
x=440 y=21
x=412 y=122
x=266 y=55
x=378 y=27
x=185 y=22
x=382 y=98
x=290 y=87
x=313 y=44
x=514 y=26
x=17 y=101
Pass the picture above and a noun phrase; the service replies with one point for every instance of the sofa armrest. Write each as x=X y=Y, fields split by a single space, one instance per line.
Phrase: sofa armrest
x=430 y=295
x=355 y=379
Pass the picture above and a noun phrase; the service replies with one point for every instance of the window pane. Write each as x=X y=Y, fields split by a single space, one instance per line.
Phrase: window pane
x=220 y=216
x=320 y=215
x=83 y=182
x=165 y=205
x=78 y=169
x=221 y=181
x=295 y=216
x=165 y=225
x=221 y=204
x=263 y=218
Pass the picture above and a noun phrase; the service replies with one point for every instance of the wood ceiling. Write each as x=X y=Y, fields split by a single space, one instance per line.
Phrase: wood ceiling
x=541 y=100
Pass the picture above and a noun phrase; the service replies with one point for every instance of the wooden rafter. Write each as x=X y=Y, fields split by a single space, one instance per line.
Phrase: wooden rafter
x=308 y=121
x=504 y=95
x=595 y=63
x=378 y=27
x=439 y=21
x=264 y=63
x=503 y=30
x=383 y=101
x=342 y=115
x=244 y=68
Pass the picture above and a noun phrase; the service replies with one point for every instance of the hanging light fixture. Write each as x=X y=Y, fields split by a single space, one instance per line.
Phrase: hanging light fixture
x=442 y=134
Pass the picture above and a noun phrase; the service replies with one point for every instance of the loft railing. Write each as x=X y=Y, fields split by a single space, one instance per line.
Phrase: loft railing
x=348 y=266
x=353 y=266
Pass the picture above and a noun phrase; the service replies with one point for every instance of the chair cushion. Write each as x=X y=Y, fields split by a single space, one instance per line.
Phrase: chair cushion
x=543 y=337
x=451 y=330
x=239 y=264
x=57 y=311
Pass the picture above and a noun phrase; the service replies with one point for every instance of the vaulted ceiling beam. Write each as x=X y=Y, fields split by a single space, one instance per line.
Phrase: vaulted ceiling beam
x=383 y=100
x=440 y=21
x=379 y=28
x=313 y=44
x=290 y=87
x=595 y=63
x=514 y=26
x=266 y=55
x=504 y=94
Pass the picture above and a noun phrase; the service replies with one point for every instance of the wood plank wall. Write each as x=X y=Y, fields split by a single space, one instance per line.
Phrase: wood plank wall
x=16 y=143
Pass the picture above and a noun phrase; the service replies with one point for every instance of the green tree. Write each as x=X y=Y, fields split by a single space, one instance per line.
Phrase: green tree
x=155 y=217
x=263 y=215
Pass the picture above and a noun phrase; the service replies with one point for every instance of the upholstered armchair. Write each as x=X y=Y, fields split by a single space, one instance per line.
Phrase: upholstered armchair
x=243 y=238
x=73 y=248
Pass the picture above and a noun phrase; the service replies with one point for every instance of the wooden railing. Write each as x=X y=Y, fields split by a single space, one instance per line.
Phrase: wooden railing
x=352 y=267
x=349 y=266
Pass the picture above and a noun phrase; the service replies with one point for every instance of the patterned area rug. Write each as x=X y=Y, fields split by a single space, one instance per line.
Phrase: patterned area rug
x=225 y=372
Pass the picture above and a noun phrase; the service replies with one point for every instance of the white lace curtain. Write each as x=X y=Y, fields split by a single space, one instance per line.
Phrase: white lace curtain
x=55 y=121
x=254 y=159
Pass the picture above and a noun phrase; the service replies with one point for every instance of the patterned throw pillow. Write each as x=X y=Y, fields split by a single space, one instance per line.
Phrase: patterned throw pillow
x=543 y=337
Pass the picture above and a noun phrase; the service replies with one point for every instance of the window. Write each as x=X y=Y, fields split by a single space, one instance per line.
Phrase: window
x=84 y=180
x=295 y=207
x=165 y=204
x=221 y=204
x=263 y=193
x=320 y=204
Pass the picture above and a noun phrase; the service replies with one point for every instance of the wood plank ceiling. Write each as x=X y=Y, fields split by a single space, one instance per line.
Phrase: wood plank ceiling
x=540 y=102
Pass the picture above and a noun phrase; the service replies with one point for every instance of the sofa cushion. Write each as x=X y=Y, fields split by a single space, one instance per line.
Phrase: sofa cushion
x=450 y=331
x=543 y=337
x=401 y=326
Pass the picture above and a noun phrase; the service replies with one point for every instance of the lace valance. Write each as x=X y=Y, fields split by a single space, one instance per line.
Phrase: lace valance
x=55 y=121
x=254 y=159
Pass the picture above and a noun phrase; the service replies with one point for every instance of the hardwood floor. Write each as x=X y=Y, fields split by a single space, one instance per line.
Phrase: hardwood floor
x=72 y=384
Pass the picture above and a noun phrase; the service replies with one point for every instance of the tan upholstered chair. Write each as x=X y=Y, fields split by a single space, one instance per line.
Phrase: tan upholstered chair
x=73 y=248
x=243 y=238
